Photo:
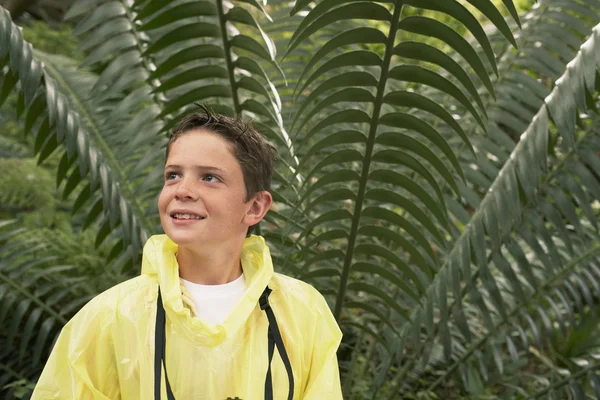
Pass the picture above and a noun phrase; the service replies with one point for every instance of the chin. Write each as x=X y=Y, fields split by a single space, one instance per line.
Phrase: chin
x=184 y=238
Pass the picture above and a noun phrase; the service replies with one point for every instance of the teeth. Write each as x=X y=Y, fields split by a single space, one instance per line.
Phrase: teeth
x=187 y=216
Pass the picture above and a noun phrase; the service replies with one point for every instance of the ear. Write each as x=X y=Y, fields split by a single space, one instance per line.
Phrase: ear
x=259 y=205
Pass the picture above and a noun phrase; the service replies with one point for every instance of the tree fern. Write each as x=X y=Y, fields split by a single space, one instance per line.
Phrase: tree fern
x=500 y=216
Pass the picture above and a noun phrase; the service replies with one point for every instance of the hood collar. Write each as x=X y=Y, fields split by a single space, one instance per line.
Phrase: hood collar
x=159 y=261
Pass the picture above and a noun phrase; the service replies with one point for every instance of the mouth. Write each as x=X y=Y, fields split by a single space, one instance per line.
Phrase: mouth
x=186 y=216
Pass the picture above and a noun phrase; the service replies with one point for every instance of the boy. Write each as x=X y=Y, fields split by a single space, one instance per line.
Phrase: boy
x=207 y=318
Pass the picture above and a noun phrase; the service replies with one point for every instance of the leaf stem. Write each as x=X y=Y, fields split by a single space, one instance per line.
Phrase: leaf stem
x=364 y=178
x=33 y=298
x=566 y=380
x=100 y=141
x=228 y=60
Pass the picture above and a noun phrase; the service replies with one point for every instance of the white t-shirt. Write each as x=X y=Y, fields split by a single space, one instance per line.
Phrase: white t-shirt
x=215 y=302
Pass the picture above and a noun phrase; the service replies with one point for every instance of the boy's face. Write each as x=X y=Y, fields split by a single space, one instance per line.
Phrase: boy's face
x=203 y=198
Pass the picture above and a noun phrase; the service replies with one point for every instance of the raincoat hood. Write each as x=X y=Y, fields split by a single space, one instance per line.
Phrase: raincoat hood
x=159 y=261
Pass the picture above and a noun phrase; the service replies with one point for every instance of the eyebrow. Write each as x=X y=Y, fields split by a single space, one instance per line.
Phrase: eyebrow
x=198 y=167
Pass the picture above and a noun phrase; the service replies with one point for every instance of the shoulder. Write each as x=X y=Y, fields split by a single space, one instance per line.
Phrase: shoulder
x=300 y=295
x=117 y=300
x=307 y=310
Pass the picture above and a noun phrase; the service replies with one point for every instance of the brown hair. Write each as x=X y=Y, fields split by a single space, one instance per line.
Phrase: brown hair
x=253 y=152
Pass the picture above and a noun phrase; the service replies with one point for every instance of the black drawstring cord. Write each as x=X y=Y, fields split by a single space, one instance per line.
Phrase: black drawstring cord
x=159 y=350
x=273 y=335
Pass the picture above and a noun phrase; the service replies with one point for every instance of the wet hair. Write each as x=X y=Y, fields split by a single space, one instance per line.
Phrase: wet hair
x=253 y=152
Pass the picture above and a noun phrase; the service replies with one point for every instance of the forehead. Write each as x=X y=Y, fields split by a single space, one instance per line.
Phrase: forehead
x=201 y=142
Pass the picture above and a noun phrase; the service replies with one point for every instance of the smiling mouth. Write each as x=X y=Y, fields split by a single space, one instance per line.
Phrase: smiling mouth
x=184 y=216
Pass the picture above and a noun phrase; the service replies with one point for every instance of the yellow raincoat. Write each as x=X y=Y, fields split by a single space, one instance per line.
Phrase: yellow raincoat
x=107 y=350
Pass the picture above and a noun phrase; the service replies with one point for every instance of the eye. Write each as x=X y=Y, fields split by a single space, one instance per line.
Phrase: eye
x=169 y=176
x=211 y=178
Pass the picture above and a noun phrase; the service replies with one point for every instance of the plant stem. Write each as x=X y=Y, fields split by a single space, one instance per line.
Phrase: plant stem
x=228 y=60
x=364 y=178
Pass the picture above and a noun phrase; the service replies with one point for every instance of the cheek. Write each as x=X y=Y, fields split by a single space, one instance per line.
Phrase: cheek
x=163 y=199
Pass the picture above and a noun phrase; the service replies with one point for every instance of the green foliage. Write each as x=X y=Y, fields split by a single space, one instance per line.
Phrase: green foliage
x=59 y=41
x=437 y=184
x=24 y=185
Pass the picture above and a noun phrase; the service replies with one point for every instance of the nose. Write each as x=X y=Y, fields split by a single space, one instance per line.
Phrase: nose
x=184 y=191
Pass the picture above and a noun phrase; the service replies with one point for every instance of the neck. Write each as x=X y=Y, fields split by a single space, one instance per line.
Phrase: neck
x=209 y=268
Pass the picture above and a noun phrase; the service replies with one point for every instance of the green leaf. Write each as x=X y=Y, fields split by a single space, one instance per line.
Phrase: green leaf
x=413 y=188
x=416 y=74
x=382 y=214
x=345 y=117
x=182 y=11
x=565 y=206
x=342 y=137
x=368 y=307
x=103 y=33
x=576 y=191
x=459 y=12
x=41 y=339
x=398 y=158
x=359 y=10
x=6 y=85
x=358 y=78
x=390 y=276
x=186 y=32
x=563 y=112
x=247 y=43
x=124 y=61
x=104 y=231
x=203 y=51
x=332 y=234
x=407 y=121
x=258 y=6
x=42 y=135
x=423 y=52
x=511 y=277
x=362 y=327
x=525 y=268
x=93 y=213
x=426 y=266
x=191 y=75
x=241 y=15
x=577 y=391
x=351 y=95
x=79 y=7
x=431 y=27
x=101 y=15
x=400 y=140
x=415 y=100
x=72 y=182
x=148 y=9
x=388 y=196
x=48 y=148
x=195 y=95
x=336 y=158
x=63 y=167
x=334 y=215
x=352 y=58
x=120 y=43
x=353 y=36
x=82 y=198
x=583 y=173
x=320 y=273
x=379 y=294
